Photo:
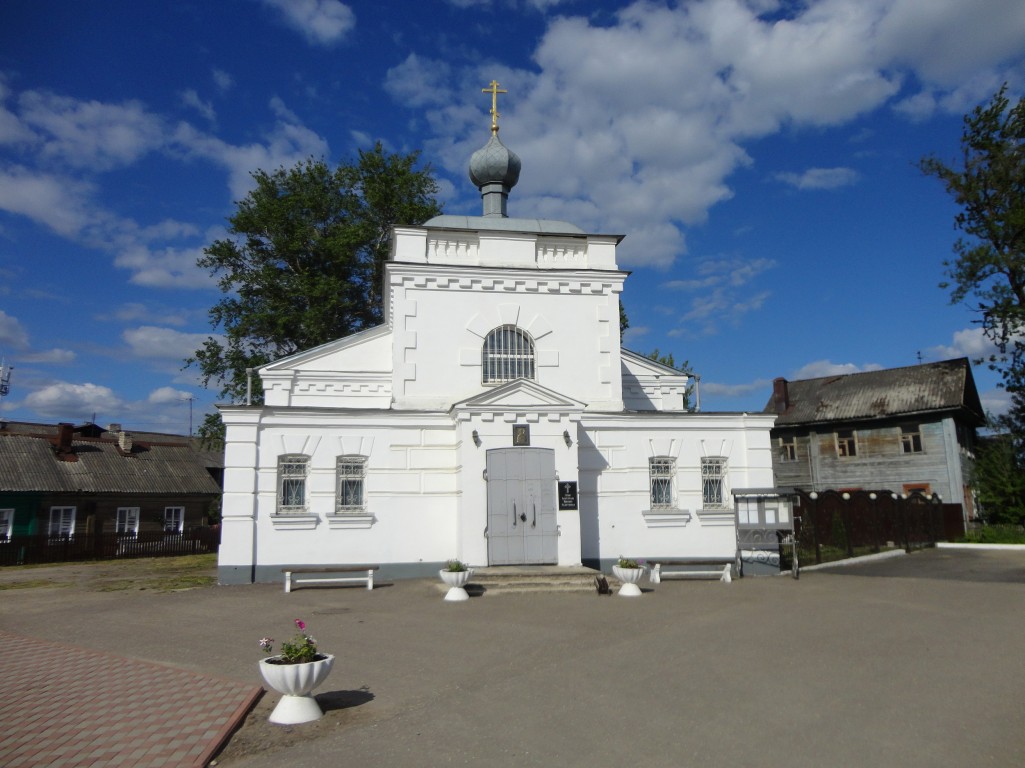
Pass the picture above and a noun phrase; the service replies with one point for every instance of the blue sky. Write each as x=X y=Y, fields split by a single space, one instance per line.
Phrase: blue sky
x=758 y=155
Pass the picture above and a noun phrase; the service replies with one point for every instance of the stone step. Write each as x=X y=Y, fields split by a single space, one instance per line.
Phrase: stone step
x=494 y=580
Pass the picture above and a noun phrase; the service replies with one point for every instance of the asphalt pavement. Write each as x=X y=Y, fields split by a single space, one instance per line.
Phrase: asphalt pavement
x=910 y=661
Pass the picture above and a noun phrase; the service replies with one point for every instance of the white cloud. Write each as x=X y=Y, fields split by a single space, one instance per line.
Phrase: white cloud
x=969 y=342
x=167 y=267
x=72 y=402
x=322 y=22
x=54 y=356
x=820 y=178
x=222 y=80
x=12 y=334
x=164 y=395
x=153 y=342
x=61 y=203
x=719 y=292
x=820 y=368
x=637 y=125
x=714 y=389
x=191 y=99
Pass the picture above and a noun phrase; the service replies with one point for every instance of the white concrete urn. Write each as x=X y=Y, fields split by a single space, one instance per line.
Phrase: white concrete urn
x=295 y=683
x=456 y=582
x=629 y=578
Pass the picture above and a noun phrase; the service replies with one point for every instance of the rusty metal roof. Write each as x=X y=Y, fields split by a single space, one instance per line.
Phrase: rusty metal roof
x=30 y=462
x=914 y=390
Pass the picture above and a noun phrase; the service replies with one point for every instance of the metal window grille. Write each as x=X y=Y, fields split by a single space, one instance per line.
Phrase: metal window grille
x=713 y=482
x=351 y=473
x=508 y=354
x=292 y=471
x=661 y=469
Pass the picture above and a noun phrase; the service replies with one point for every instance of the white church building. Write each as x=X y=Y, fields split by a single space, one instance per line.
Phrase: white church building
x=492 y=418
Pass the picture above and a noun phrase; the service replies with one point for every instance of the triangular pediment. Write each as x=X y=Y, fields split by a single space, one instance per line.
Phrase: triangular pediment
x=369 y=349
x=640 y=365
x=520 y=395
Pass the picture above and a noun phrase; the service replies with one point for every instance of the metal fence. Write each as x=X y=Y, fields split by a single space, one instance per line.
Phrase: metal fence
x=833 y=523
x=41 y=548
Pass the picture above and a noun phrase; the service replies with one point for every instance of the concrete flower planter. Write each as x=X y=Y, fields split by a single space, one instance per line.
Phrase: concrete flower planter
x=295 y=683
x=629 y=578
x=456 y=581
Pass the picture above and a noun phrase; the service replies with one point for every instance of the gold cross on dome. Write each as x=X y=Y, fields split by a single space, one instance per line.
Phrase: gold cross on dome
x=494 y=90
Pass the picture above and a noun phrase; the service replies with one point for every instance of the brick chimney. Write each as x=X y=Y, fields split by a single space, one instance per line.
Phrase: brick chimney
x=780 y=394
x=62 y=443
x=124 y=441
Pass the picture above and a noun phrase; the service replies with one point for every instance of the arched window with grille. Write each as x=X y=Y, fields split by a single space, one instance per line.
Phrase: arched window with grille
x=508 y=354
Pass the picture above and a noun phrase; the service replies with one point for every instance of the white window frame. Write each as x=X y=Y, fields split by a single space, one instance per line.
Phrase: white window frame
x=6 y=523
x=293 y=481
x=127 y=522
x=174 y=519
x=662 y=482
x=62 y=522
x=911 y=439
x=846 y=443
x=714 y=493
x=507 y=354
x=351 y=485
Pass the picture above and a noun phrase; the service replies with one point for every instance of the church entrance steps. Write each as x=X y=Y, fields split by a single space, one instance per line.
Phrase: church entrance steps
x=531 y=578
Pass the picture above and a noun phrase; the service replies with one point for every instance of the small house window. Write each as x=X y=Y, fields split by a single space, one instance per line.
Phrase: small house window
x=846 y=444
x=662 y=471
x=292 y=472
x=62 y=522
x=352 y=472
x=508 y=354
x=174 y=519
x=787 y=449
x=6 y=524
x=713 y=481
x=911 y=438
x=127 y=521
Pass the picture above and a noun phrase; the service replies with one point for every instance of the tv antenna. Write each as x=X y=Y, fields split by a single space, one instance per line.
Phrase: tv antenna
x=5 y=377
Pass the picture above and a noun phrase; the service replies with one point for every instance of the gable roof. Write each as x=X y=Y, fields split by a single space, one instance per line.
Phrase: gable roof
x=913 y=390
x=32 y=461
x=522 y=395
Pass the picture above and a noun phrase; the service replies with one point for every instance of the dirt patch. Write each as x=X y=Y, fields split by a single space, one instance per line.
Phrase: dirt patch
x=159 y=574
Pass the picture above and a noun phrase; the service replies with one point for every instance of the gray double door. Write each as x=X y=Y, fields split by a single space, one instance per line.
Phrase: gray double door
x=522 y=528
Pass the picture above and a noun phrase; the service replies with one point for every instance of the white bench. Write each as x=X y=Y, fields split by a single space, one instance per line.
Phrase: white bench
x=719 y=568
x=366 y=575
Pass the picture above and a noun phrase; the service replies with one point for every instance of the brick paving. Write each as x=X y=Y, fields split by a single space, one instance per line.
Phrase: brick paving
x=70 y=707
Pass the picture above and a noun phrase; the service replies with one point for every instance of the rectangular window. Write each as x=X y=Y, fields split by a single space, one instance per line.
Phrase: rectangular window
x=662 y=471
x=6 y=524
x=174 y=519
x=292 y=472
x=128 y=521
x=62 y=522
x=713 y=481
x=911 y=438
x=787 y=449
x=351 y=474
x=846 y=443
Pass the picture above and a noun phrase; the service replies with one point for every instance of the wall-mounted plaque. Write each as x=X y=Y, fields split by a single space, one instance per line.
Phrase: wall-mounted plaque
x=521 y=434
x=567 y=494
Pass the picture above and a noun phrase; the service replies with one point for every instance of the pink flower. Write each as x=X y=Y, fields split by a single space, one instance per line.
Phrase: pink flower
x=301 y=624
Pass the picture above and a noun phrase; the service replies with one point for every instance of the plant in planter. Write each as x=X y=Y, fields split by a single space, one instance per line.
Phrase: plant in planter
x=629 y=572
x=455 y=574
x=294 y=673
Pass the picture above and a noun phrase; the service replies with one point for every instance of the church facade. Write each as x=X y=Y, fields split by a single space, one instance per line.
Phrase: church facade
x=492 y=418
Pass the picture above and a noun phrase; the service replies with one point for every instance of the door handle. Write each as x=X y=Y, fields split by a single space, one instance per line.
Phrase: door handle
x=534 y=523
x=514 y=514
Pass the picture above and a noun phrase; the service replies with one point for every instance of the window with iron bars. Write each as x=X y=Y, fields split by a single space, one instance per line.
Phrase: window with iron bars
x=713 y=481
x=351 y=472
x=662 y=471
x=508 y=354
x=292 y=472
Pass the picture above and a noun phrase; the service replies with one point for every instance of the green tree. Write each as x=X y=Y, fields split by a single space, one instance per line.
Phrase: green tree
x=988 y=183
x=998 y=477
x=303 y=263
x=684 y=367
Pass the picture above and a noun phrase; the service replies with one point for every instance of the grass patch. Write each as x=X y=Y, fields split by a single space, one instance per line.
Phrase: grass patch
x=996 y=534
x=33 y=584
